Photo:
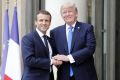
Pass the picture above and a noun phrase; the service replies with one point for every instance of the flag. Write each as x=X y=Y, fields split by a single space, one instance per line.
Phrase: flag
x=13 y=69
x=5 y=43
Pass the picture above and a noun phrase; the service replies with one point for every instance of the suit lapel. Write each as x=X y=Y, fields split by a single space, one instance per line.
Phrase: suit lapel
x=40 y=42
x=76 y=34
x=39 y=39
x=63 y=36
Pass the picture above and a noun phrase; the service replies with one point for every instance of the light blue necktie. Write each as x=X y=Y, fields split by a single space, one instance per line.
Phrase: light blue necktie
x=69 y=40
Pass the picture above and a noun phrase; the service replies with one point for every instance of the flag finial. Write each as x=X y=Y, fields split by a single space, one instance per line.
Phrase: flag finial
x=15 y=1
x=7 y=3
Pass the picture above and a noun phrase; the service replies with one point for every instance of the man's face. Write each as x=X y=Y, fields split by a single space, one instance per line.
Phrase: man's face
x=69 y=14
x=43 y=22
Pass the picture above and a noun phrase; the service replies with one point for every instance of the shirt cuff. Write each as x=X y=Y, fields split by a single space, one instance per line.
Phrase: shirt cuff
x=71 y=58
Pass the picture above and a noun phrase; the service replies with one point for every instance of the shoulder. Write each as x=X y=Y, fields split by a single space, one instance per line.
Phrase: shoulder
x=85 y=25
x=58 y=28
x=28 y=36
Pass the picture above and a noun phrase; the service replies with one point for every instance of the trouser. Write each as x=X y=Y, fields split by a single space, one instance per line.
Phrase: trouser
x=51 y=76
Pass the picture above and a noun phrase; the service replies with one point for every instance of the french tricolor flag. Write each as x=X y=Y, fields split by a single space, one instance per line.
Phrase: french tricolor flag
x=13 y=70
x=5 y=43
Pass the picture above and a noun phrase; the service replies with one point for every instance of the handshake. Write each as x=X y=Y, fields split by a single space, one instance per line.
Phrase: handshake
x=58 y=59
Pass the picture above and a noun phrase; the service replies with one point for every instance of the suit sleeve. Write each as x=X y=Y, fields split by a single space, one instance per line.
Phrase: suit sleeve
x=53 y=43
x=28 y=53
x=88 y=50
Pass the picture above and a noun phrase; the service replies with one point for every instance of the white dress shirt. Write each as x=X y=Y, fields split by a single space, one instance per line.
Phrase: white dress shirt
x=71 y=59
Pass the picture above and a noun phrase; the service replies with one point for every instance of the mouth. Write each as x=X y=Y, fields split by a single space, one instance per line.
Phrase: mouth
x=69 y=17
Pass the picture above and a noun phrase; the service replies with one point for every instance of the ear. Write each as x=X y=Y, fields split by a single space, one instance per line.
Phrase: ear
x=76 y=14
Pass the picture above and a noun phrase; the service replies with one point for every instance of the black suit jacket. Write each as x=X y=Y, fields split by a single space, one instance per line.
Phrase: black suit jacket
x=82 y=50
x=35 y=57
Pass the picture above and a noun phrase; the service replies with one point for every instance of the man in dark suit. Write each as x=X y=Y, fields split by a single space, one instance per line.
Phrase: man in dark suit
x=37 y=50
x=75 y=44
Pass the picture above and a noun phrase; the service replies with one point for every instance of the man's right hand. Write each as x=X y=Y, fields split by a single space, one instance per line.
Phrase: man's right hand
x=56 y=62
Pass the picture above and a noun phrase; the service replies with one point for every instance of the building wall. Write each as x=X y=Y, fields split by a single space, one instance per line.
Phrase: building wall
x=117 y=60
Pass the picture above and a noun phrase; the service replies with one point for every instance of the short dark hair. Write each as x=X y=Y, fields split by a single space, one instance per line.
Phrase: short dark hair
x=43 y=12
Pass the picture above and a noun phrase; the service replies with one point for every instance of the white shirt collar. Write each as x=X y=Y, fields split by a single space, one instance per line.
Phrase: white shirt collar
x=40 y=33
x=67 y=26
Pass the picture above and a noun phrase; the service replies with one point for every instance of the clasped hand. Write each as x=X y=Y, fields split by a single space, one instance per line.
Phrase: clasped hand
x=58 y=59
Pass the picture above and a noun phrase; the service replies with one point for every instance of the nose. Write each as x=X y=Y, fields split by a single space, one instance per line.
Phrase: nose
x=44 y=22
x=67 y=13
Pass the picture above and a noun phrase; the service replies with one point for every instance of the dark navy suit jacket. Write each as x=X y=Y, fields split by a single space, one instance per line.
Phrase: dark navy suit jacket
x=82 y=49
x=35 y=57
